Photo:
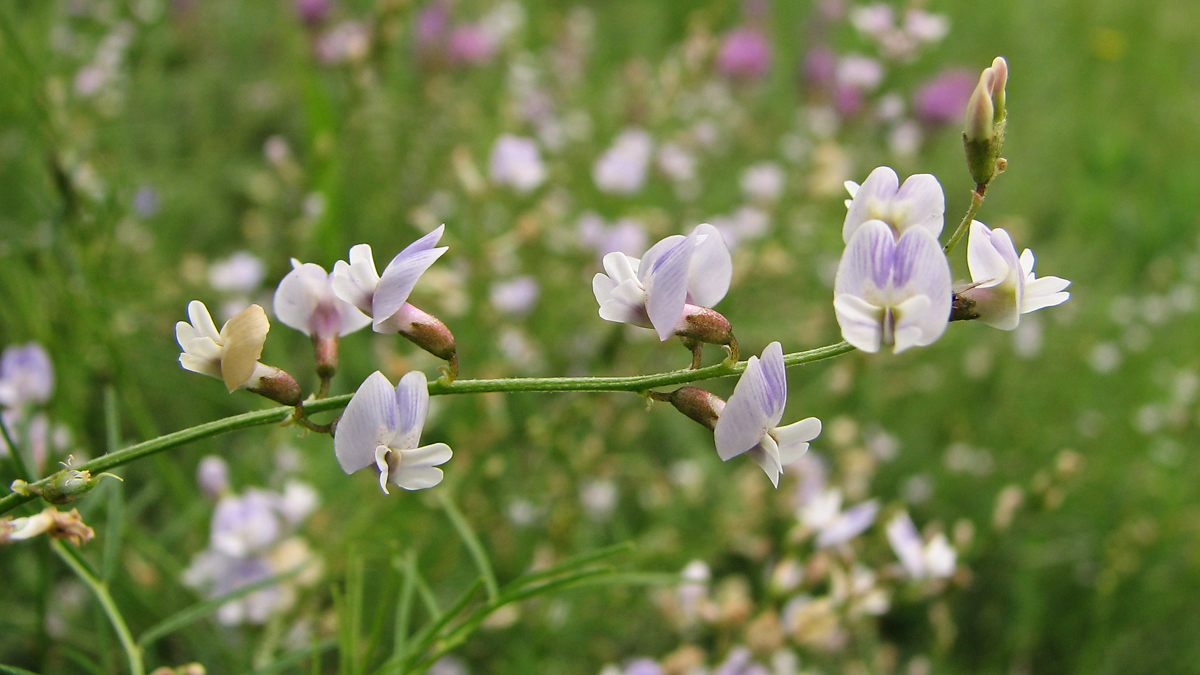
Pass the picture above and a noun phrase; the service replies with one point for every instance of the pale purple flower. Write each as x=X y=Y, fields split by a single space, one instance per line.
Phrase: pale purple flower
x=745 y=53
x=943 y=100
x=678 y=164
x=890 y=293
x=470 y=44
x=875 y=20
x=763 y=182
x=26 y=375
x=220 y=574
x=934 y=559
x=920 y=203
x=241 y=272
x=1004 y=287
x=348 y=41
x=382 y=427
x=622 y=168
x=311 y=12
x=747 y=222
x=834 y=526
x=431 y=25
x=642 y=666
x=246 y=524
x=146 y=202
x=305 y=301
x=820 y=66
x=517 y=163
x=213 y=475
x=859 y=72
x=677 y=275
x=749 y=422
x=740 y=661
x=515 y=296
x=925 y=26
x=384 y=298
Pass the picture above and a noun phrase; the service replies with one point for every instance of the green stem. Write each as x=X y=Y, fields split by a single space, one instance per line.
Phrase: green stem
x=132 y=652
x=637 y=384
x=976 y=202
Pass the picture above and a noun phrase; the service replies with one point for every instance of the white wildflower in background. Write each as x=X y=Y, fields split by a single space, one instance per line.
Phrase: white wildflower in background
x=622 y=168
x=935 y=559
x=517 y=163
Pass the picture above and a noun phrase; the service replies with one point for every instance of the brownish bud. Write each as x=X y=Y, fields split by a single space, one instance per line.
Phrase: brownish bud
x=425 y=331
x=698 y=404
x=704 y=325
x=276 y=385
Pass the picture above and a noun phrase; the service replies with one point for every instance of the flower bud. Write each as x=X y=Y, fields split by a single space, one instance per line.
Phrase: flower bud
x=275 y=384
x=698 y=404
x=999 y=82
x=50 y=522
x=63 y=487
x=981 y=110
x=983 y=136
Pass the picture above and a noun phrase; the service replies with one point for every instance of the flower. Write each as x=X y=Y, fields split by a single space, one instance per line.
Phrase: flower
x=305 y=301
x=749 y=423
x=1004 y=287
x=918 y=203
x=676 y=279
x=622 y=168
x=892 y=293
x=385 y=298
x=516 y=162
x=745 y=53
x=26 y=375
x=241 y=272
x=934 y=559
x=943 y=100
x=230 y=355
x=51 y=522
x=382 y=426
x=823 y=513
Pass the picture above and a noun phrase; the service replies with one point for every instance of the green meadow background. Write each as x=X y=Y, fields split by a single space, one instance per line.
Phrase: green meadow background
x=1099 y=571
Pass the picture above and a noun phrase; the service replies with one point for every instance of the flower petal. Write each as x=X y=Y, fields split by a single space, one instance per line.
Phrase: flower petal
x=766 y=455
x=620 y=267
x=775 y=378
x=860 y=321
x=744 y=422
x=412 y=402
x=921 y=268
x=870 y=200
x=666 y=287
x=711 y=268
x=418 y=478
x=298 y=295
x=849 y=524
x=920 y=202
x=370 y=420
x=434 y=454
x=649 y=258
x=243 y=337
x=988 y=256
x=907 y=544
x=867 y=262
x=202 y=321
x=794 y=438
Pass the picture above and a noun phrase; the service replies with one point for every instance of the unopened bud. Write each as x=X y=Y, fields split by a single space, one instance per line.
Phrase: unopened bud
x=704 y=325
x=425 y=331
x=276 y=385
x=999 y=82
x=981 y=110
x=983 y=136
x=63 y=487
x=698 y=404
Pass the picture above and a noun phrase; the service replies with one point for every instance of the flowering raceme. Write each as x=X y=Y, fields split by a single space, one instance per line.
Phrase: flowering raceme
x=382 y=426
x=671 y=287
x=891 y=293
x=1003 y=286
x=749 y=422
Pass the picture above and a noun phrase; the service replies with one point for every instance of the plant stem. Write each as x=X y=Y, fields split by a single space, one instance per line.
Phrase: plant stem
x=976 y=202
x=132 y=652
x=636 y=384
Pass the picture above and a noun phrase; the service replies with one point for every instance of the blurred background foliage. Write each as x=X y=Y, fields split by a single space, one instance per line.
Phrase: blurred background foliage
x=143 y=141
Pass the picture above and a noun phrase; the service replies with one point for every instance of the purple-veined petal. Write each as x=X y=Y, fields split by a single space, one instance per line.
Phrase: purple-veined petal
x=920 y=202
x=711 y=267
x=425 y=243
x=412 y=403
x=921 y=268
x=794 y=438
x=745 y=420
x=666 y=287
x=649 y=258
x=990 y=256
x=907 y=544
x=860 y=321
x=370 y=420
x=775 y=380
x=866 y=265
x=870 y=200
x=398 y=281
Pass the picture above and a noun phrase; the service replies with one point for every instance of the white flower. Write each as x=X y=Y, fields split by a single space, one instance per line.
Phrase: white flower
x=305 y=301
x=382 y=426
x=763 y=182
x=920 y=202
x=935 y=559
x=232 y=353
x=824 y=514
x=889 y=292
x=749 y=422
x=1004 y=287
